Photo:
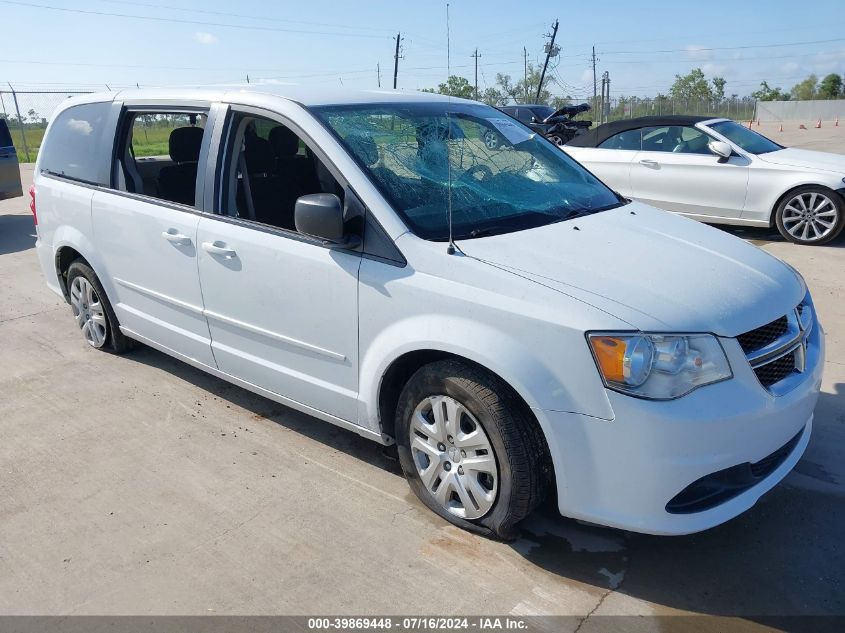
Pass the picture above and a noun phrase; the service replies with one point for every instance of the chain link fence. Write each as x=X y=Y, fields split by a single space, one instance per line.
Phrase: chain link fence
x=27 y=114
x=616 y=108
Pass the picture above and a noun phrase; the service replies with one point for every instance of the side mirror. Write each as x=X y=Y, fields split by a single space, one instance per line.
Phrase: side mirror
x=720 y=149
x=320 y=215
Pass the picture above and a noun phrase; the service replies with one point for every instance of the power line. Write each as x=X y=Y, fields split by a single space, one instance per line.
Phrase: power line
x=151 y=18
x=263 y=18
x=724 y=48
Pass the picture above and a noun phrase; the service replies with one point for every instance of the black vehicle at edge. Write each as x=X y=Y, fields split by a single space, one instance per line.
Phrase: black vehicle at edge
x=556 y=125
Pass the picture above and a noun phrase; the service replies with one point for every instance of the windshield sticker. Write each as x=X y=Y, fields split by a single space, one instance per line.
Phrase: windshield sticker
x=511 y=131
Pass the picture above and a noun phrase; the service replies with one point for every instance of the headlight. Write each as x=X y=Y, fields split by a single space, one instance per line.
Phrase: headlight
x=658 y=366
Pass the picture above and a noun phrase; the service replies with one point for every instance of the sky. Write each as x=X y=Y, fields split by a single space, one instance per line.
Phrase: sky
x=91 y=44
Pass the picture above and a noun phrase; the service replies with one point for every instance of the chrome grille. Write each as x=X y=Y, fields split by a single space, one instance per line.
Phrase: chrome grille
x=762 y=336
x=776 y=370
x=776 y=350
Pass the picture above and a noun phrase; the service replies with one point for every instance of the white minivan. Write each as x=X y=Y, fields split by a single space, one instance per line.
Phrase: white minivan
x=512 y=324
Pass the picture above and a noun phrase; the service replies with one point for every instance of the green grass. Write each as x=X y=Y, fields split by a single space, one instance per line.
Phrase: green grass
x=152 y=141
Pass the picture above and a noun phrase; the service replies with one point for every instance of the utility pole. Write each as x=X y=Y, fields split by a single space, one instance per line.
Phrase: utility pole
x=550 y=48
x=396 y=59
x=476 y=55
x=525 y=71
x=378 y=74
x=605 y=97
x=594 y=76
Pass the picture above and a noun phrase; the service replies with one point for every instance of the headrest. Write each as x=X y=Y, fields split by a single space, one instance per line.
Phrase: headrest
x=258 y=155
x=185 y=144
x=364 y=147
x=284 y=142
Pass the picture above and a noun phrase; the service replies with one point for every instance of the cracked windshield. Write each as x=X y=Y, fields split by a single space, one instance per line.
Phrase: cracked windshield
x=501 y=177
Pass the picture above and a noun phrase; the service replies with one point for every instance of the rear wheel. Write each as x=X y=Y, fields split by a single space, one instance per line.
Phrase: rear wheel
x=92 y=311
x=470 y=449
x=810 y=215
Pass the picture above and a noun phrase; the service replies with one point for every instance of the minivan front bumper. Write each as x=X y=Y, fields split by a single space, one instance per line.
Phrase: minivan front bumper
x=629 y=472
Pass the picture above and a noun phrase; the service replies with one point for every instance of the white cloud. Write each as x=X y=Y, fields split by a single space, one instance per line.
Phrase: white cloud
x=697 y=51
x=205 y=38
x=81 y=126
x=711 y=69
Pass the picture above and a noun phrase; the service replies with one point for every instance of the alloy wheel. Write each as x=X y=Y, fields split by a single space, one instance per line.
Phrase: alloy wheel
x=453 y=457
x=810 y=216
x=88 y=312
x=491 y=140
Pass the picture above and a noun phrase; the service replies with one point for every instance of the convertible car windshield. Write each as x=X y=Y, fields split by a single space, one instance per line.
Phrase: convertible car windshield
x=747 y=139
x=422 y=155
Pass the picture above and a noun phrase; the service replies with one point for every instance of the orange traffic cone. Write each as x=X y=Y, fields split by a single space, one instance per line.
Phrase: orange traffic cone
x=802 y=127
x=781 y=128
x=750 y=122
x=818 y=123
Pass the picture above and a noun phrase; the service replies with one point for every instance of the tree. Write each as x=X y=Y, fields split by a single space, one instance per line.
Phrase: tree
x=455 y=86
x=494 y=97
x=766 y=93
x=525 y=90
x=718 y=88
x=831 y=87
x=807 y=89
x=691 y=86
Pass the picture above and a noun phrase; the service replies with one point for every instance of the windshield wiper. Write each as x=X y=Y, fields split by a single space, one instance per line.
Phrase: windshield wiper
x=485 y=231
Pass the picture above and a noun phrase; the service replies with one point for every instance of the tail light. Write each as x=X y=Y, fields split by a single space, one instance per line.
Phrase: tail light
x=32 y=203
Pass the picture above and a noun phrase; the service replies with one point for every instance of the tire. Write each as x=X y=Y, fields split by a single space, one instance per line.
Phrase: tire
x=93 y=312
x=472 y=498
x=557 y=140
x=810 y=215
x=491 y=140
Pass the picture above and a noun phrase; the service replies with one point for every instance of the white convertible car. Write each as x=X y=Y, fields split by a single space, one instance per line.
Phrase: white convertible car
x=719 y=171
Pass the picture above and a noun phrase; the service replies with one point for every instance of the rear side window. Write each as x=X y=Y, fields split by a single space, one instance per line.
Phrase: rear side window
x=5 y=137
x=73 y=147
x=630 y=139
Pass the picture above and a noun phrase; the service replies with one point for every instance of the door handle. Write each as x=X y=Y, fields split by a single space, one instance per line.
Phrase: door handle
x=648 y=162
x=218 y=248
x=172 y=235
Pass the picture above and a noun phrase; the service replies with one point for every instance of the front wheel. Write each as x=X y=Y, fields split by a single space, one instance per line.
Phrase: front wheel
x=810 y=215
x=491 y=140
x=470 y=449
x=557 y=140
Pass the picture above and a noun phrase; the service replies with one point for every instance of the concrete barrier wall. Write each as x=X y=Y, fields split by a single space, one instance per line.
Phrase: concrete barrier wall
x=805 y=111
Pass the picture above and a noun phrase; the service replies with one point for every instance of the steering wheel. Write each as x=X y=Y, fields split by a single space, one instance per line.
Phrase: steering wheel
x=479 y=173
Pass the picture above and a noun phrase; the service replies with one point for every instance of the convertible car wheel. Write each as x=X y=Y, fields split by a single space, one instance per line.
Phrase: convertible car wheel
x=810 y=215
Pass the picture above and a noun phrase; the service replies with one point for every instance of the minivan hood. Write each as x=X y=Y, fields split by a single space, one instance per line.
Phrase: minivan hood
x=809 y=159
x=650 y=268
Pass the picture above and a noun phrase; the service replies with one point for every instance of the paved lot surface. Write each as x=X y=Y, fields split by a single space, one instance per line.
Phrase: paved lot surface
x=138 y=485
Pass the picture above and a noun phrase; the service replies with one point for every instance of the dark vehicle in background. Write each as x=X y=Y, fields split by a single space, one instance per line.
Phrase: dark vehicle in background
x=556 y=125
x=10 y=175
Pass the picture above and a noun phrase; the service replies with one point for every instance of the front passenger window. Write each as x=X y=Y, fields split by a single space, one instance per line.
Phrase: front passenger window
x=268 y=169
x=675 y=138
